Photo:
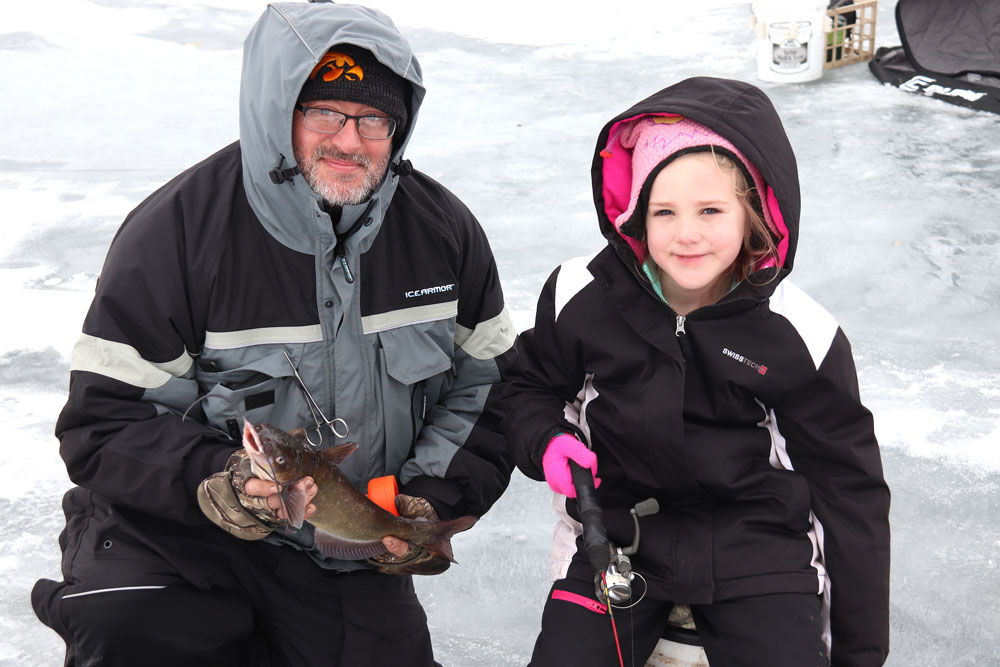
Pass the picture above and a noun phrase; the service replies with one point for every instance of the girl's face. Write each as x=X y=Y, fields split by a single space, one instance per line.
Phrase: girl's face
x=695 y=225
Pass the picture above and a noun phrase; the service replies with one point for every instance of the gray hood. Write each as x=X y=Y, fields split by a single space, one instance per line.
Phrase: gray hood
x=279 y=53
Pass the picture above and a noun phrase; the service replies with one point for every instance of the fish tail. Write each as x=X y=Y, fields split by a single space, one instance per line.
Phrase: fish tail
x=441 y=540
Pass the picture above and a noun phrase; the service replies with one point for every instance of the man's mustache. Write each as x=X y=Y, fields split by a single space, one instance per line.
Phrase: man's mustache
x=334 y=154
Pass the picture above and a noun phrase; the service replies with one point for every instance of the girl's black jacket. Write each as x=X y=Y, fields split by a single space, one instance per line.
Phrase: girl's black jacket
x=742 y=419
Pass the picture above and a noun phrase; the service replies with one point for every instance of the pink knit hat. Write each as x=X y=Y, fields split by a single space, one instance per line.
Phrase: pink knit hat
x=636 y=146
x=653 y=139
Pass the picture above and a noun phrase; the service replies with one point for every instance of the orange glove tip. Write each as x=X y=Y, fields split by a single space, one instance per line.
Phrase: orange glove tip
x=383 y=491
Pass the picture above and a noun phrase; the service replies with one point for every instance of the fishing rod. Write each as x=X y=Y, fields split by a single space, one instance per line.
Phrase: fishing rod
x=612 y=565
x=608 y=560
x=595 y=536
x=595 y=539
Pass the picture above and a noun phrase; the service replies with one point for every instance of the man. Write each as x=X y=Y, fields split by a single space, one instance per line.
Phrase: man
x=305 y=276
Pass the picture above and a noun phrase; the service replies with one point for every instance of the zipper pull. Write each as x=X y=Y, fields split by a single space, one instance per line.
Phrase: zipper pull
x=682 y=338
x=347 y=269
x=340 y=253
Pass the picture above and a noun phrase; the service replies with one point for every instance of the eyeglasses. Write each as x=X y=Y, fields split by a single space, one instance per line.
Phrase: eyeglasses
x=329 y=121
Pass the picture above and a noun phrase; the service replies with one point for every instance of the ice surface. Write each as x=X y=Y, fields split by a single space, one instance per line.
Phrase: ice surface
x=105 y=100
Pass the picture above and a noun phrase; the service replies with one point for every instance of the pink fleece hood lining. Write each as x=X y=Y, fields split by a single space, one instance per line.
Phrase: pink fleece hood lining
x=621 y=192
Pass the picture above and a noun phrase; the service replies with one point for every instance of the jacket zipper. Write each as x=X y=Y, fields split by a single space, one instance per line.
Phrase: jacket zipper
x=418 y=404
x=680 y=332
x=339 y=251
x=682 y=338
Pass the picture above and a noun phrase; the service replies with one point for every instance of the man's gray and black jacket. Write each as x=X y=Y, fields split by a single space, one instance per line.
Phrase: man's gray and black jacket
x=743 y=419
x=393 y=315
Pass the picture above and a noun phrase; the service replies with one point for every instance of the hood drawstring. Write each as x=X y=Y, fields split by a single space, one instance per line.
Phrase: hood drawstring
x=279 y=175
x=402 y=168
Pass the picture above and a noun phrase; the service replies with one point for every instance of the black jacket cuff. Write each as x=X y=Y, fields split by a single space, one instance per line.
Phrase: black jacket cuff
x=444 y=496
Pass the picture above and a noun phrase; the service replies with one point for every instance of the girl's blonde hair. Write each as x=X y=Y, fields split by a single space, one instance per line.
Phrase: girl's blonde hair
x=759 y=244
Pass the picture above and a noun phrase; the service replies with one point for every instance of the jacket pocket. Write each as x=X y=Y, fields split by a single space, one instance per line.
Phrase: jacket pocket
x=416 y=370
x=262 y=389
x=419 y=351
x=113 y=538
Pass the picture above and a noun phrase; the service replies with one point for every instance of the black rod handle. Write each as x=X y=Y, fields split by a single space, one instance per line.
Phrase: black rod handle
x=595 y=537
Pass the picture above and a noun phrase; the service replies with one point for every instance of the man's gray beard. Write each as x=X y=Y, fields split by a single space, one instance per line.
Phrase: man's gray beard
x=341 y=193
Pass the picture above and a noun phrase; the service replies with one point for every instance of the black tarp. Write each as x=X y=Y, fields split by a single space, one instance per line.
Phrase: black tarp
x=950 y=50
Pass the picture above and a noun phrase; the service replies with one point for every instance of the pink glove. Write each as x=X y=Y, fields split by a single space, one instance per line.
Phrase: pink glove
x=555 y=463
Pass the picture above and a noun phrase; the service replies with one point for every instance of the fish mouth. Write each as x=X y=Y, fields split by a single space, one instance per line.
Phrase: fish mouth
x=251 y=440
x=254 y=447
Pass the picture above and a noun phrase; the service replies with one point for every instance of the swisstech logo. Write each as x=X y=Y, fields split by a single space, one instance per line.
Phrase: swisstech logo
x=743 y=360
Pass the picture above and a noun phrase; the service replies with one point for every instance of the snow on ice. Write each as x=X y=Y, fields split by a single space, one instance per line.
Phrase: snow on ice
x=104 y=100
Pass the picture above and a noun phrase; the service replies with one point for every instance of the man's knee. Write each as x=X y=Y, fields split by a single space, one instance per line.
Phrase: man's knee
x=373 y=634
x=147 y=625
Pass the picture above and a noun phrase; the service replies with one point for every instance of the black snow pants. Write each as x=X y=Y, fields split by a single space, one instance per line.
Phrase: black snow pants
x=160 y=597
x=782 y=630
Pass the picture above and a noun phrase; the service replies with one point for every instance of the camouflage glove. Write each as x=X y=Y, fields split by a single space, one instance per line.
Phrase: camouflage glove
x=223 y=501
x=417 y=560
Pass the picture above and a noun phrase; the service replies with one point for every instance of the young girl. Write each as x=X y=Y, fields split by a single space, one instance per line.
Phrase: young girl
x=682 y=364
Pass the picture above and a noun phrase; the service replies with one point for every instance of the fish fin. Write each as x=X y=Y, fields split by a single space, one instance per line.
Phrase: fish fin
x=293 y=499
x=332 y=546
x=338 y=453
x=441 y=542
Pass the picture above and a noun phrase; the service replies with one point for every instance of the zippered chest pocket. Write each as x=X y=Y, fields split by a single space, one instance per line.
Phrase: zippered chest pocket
x=262 y=389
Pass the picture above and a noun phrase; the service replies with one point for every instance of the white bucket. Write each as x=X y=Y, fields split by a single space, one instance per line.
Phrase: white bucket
x=682 y=652
x=672 y=654
x=790 y=39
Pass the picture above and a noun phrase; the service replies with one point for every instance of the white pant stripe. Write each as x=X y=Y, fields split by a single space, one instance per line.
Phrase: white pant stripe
x=113 y=590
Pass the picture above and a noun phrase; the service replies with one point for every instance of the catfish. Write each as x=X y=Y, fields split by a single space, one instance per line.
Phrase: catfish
x=348 y=525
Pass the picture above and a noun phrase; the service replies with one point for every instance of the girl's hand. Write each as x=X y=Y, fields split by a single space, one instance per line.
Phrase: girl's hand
x=555 y=463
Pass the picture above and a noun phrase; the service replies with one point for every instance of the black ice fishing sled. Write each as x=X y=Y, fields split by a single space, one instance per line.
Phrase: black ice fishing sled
x=950 y=51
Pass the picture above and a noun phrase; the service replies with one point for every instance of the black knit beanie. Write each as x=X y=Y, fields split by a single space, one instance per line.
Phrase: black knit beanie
x=350 y=73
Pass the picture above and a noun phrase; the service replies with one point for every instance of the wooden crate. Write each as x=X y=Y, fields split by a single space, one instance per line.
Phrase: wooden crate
x=850 y=34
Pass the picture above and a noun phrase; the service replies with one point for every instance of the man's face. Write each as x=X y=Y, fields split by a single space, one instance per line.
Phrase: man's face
x=342 y=168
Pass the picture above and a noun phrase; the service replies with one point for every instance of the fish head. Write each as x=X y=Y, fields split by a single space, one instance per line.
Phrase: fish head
x=275 y=454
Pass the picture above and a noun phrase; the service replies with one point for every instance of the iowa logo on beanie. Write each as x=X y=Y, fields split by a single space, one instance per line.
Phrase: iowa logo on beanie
x=350 y=73
x=334 y=65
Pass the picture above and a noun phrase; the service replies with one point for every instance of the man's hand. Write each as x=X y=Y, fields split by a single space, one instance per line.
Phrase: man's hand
x=244 y=505
x=403 y=557
x=410 y=507
x=396 y=546
x=263 y=494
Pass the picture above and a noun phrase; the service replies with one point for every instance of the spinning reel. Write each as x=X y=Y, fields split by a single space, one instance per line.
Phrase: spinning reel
x=618 y=575
x=612 y=566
